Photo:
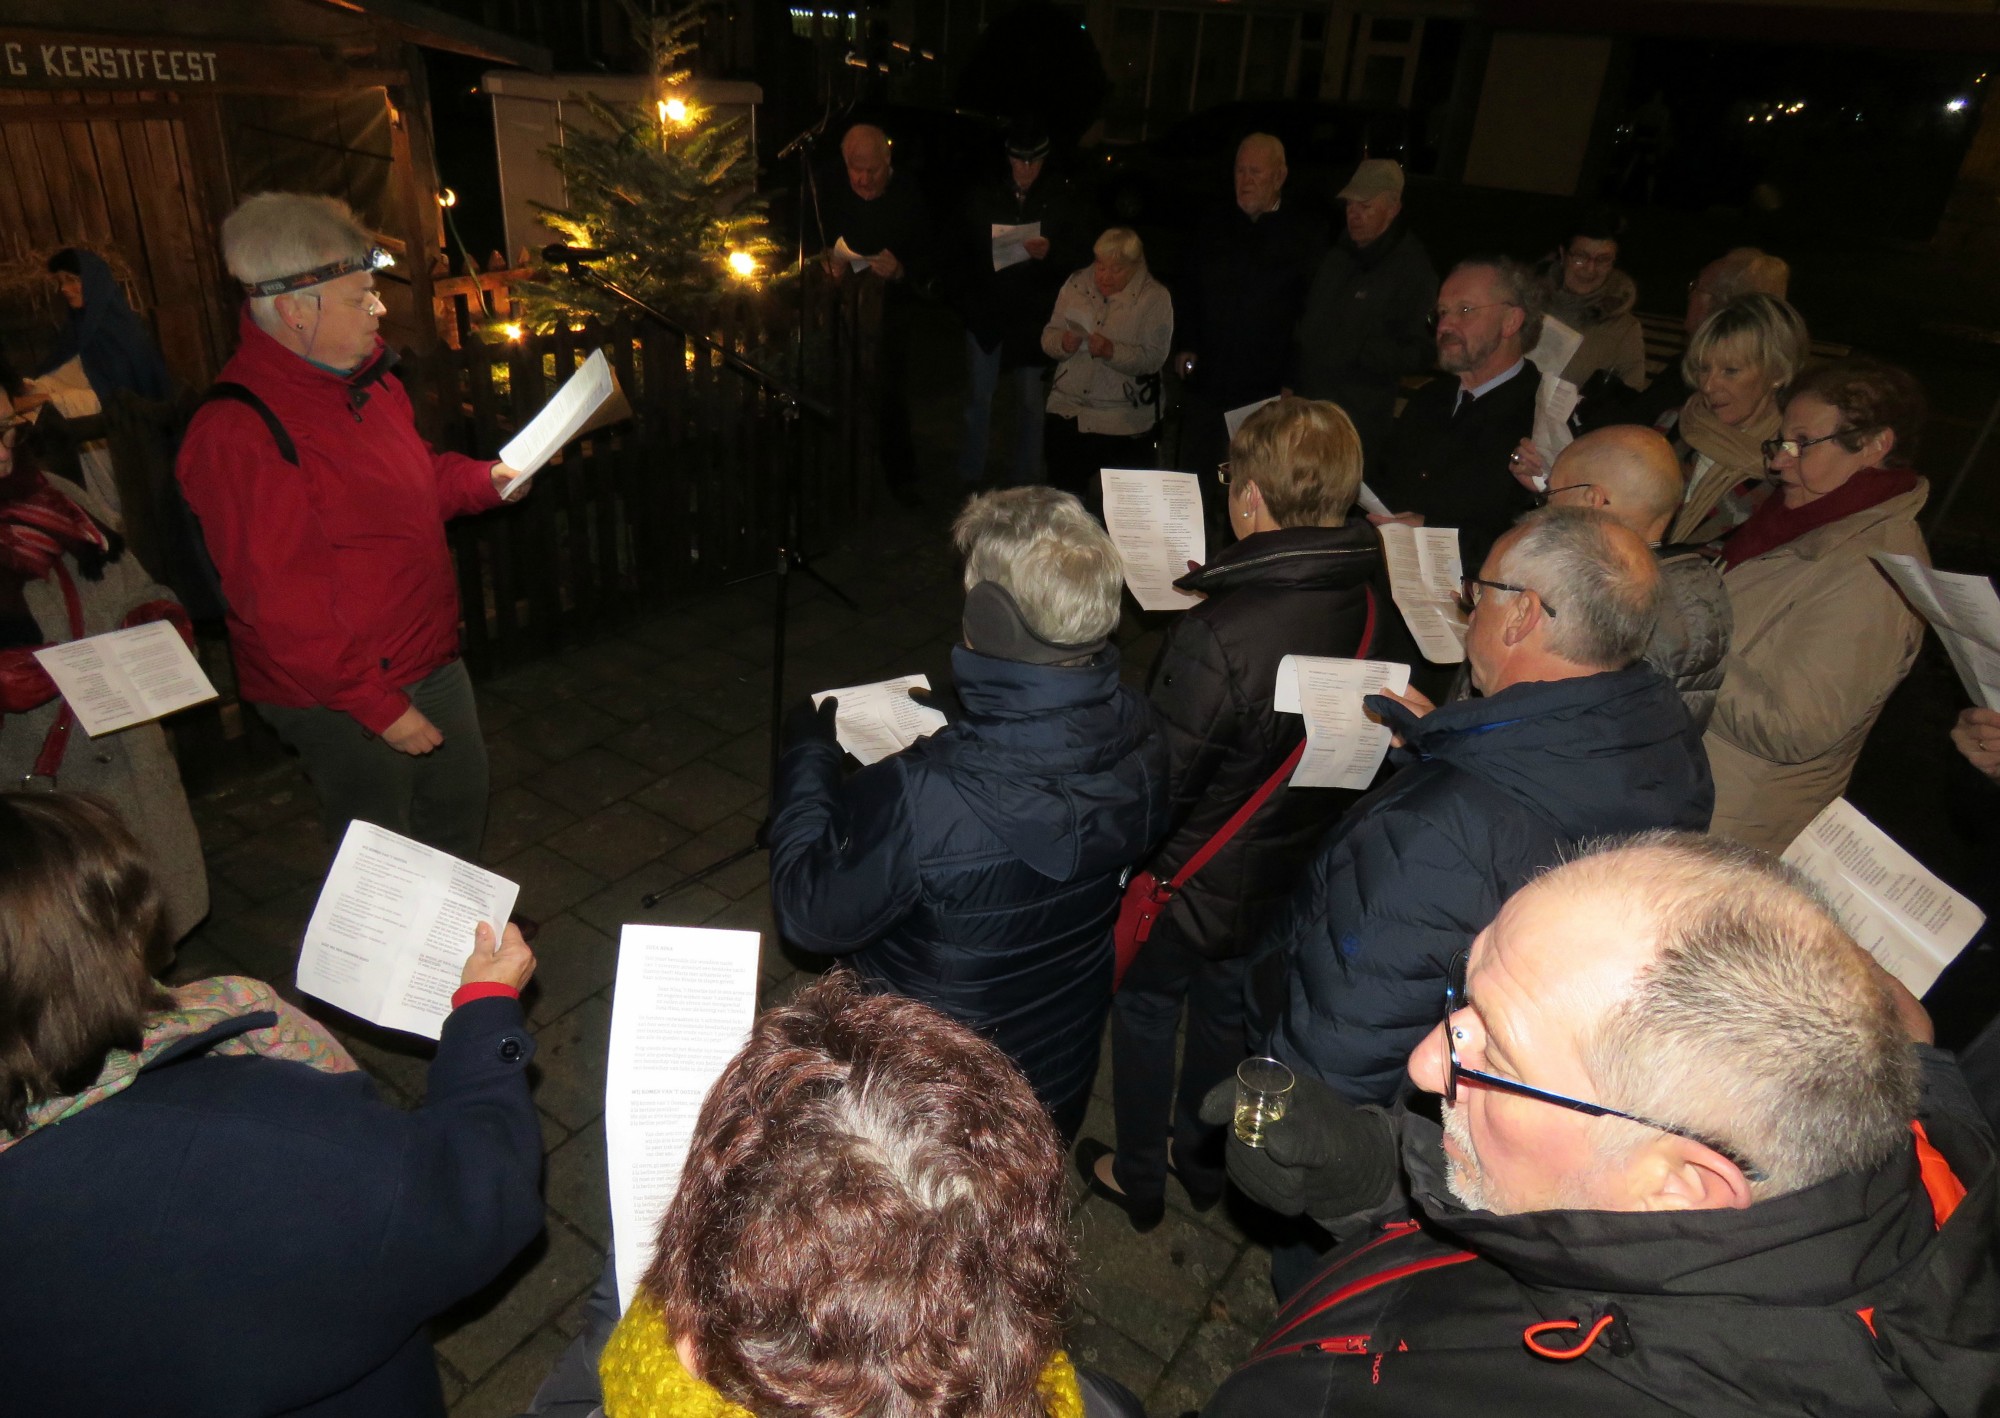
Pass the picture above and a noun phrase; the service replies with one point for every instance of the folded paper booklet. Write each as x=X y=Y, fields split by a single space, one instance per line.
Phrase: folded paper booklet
x=681 y=1007
x=874 y=721
x=1155 y=522
x=126 y=677
x=1344 y=744
x=393 y=927
x=1010 y=243
x=588 y=400
x=854 y=259
x=1902 y=914
x=1965 y=613
x=1425 y=578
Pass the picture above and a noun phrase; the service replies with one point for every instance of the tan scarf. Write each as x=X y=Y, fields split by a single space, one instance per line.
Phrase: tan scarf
x=1737 y=454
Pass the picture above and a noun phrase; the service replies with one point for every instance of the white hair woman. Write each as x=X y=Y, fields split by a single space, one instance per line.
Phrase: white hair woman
x=324 y=514
x=979 y=869
x=1110 y=333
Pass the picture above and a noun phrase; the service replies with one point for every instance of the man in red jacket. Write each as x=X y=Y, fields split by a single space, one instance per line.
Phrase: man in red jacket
x=324 y=513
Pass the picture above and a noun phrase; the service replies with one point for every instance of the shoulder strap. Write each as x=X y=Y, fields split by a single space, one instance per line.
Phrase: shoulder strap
x=232 y=392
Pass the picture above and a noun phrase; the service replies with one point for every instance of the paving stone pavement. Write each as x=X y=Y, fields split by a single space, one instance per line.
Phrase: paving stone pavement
x=619 y=766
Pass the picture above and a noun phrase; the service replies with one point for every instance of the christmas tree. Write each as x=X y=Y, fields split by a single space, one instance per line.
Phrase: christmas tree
x=670 y=188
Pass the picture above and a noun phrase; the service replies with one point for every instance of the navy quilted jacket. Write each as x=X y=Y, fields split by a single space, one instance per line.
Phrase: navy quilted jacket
x=1351 y=975
x=978 y=870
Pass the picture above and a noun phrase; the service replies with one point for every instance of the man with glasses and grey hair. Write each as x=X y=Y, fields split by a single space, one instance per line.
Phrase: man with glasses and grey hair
x=323 y=511
x=1446 y=461
x=1570 y=737
x=1696 y=1156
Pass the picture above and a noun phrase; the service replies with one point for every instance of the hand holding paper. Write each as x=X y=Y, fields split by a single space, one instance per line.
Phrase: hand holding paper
x=1424 y=579
x=874 y=721
x=1344 y=745
x=1965 y=612
x=1155 y=522
x=569 y=414
x=854 y=259
x=1010 y=243
x=126 y=677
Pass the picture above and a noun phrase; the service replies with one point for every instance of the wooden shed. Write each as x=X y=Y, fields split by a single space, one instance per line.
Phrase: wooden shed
x=135 y=133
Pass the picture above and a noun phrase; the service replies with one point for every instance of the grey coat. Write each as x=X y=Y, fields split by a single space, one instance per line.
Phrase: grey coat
x=1691 y=641
x=133 y=769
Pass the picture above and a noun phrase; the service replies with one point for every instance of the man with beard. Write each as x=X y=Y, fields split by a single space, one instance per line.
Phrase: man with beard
x=1447 y=458
x=1692 y=1162
x=1363 y=327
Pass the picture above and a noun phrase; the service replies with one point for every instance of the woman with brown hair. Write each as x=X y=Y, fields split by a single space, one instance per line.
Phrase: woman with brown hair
x=208 y=1211
x=1822 y=636
x=871 y=1221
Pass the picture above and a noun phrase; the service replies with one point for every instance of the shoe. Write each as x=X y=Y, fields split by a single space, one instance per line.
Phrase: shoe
x=1144 y=1216
x=1200 y=1201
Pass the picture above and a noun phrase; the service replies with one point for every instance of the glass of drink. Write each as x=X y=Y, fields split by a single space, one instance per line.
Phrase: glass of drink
x=1263 y=1092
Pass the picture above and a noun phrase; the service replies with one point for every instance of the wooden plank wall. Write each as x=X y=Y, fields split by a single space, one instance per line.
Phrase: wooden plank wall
x=139 y=177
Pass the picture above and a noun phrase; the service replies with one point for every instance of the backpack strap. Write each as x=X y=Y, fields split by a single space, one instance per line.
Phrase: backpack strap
x=229 y=391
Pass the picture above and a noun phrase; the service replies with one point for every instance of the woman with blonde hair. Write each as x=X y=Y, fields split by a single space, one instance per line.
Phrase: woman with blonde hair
x=1301 y=579
x=1739 y=363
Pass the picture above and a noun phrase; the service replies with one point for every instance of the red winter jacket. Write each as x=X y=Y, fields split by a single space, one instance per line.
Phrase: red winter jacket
x=339 y=583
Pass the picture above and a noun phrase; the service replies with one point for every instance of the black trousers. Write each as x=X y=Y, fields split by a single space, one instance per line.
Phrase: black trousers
x=1074 y=457
x=1167 y=973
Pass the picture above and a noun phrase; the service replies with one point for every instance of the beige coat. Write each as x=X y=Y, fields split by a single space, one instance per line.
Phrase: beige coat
x=1822 y=638
x=1106 y=395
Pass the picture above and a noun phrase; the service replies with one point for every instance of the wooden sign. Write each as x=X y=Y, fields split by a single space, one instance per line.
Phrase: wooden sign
x=49 y=59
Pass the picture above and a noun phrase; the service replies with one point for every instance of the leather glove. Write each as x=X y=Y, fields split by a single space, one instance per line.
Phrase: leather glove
x=1324 y=1158
x=809 y=724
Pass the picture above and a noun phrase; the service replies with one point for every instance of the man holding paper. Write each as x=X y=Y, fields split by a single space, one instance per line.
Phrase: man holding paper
x=979 y=869
x=324 y=513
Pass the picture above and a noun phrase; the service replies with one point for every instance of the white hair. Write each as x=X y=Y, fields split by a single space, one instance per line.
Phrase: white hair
x=1759 y=1024
x=277 y=234
x=1601 y=614
x=1048 y=553
x=1120 y=245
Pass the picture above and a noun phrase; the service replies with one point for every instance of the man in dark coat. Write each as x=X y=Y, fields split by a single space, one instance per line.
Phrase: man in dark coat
x=1235 y=308
x=1789 y=1206
x=1364 y=325
x=1006 y=306
x=979 y=870
x=882 y=217
x=1569 y=740
x=1446 y=464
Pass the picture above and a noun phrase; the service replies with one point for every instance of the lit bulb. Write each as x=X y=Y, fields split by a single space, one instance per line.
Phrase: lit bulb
x=447 y=198
x=511 y=331
x=672 y=110
x=743 y=264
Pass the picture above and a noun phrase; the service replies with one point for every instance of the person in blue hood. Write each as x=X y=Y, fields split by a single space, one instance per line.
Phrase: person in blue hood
x=979 y=870
x=114 y=344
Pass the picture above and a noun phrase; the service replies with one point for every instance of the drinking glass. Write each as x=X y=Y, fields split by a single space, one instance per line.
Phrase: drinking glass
x=1263 y=1092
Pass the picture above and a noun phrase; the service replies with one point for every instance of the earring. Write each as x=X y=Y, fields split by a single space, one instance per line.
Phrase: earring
x=1459 y=1035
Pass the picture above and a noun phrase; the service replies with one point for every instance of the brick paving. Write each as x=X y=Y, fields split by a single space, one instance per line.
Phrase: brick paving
x=618 y=766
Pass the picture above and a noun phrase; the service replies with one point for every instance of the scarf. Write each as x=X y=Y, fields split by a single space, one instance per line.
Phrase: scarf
x=643 y=1376
x=1737 y=455
x=1774 y=525
x=195 y=1009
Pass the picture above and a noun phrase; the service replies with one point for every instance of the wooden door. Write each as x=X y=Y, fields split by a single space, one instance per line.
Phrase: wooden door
x=137 y=177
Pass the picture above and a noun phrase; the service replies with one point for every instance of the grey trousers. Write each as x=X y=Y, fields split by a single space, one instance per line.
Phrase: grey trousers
x=439 y=798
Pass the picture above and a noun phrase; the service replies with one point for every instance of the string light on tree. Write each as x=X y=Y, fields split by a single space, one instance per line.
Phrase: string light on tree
x=673 y=110
x=742 y=264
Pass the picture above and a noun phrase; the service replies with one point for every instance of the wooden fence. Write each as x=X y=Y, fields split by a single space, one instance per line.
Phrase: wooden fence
x=687 y=494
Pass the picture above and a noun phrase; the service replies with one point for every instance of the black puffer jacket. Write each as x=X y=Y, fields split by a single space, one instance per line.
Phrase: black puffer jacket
x=978 y=869
x=1352 y=973
x=1295 y=591
x=1364 y=327
x=1870 y=1295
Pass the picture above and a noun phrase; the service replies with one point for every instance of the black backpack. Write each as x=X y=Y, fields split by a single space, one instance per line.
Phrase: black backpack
x=203 y=593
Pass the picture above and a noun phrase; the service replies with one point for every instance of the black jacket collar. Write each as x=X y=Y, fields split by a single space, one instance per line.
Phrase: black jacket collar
x=1291 y=556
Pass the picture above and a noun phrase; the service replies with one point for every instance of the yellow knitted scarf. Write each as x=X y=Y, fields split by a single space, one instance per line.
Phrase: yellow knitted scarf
x=644 y=1378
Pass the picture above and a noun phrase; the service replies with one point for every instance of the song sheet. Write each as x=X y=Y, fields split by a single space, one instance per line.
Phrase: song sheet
x=1424 y=578
x=1344 y=746
x=1010 y=243
x=1232 y=419
x=874 y=721
x=561 y=419
x=1904 y=916
x=1556 y=348
x=1367 y=501
x=1155 y=522
x=1081 y=322
x=1555 y=401
x=393 y=927
x=680 y=1009
x=854 y=259
x=1965 y=613
x=126 y=677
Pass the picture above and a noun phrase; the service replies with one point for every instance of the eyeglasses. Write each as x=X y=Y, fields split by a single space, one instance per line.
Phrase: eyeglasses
x=13 y=430
x=1462 y=312
x=1602 y=259
x=1222 y=473
x=1468 y=593
x=369 y=304
x=1455 y=1072
x=1796 y=447
x=1545 y=498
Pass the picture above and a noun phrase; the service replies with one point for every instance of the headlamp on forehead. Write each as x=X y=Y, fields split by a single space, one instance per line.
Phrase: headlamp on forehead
x=374 y=259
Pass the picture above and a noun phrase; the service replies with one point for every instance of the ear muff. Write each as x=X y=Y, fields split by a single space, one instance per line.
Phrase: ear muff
x=994 y=626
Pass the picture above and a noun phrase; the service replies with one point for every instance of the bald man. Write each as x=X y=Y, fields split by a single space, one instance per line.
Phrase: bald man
x=881 y=217
x=1631 y=473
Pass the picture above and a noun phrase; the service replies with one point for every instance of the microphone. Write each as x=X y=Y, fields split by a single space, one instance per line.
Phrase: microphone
x=558 y=254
